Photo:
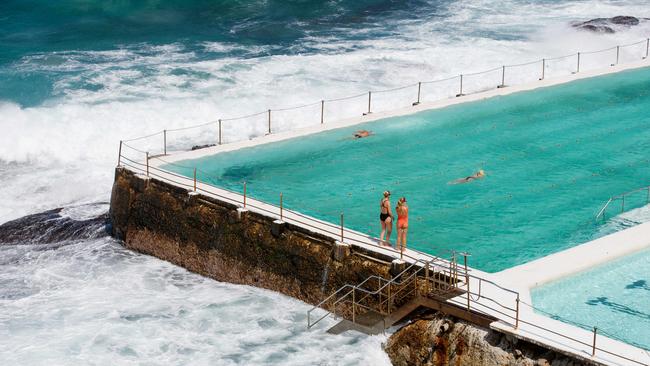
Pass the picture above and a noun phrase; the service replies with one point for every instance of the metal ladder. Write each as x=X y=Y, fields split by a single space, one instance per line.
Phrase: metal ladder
x=621 y=197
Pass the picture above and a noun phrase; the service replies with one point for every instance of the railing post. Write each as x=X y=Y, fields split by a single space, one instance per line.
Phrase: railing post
x=455 y=274
x=220 y=140
x=390 y=299
x=415 y=283
x=281 y=207
x=517 y=314
x=618 y=50
x=593 y=347
x=647 y=47
x=379 y=290
x=503 y=77
x=244 y=194
x=467 y=280
x=354 y=290
x=426 y=276
x=119 y=155
x=419 y=89
x=460 y=91
x=578 y=67
x=269 y=121
x=622 y=203
x=322 y=111
x=341 y=227
x=369 y=103
x=147 y=163
x=164 y=142
x=543 y=69
x=194 y=179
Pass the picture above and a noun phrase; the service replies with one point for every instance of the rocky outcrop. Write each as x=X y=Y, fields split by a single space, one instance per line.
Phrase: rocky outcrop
x=438 y=340
x=606 y=25
x=52 y=226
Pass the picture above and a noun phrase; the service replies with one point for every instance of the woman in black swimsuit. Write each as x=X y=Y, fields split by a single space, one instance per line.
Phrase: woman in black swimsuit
x=386 y=219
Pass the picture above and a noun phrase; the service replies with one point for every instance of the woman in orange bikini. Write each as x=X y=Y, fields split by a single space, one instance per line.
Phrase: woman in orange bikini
x=402 y=223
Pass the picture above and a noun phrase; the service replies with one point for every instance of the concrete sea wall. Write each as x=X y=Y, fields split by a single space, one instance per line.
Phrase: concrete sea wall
x=214 y=239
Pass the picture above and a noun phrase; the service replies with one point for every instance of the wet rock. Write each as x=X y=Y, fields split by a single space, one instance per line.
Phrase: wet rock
x=606 y=25
x=442 y=341
x=53 y=226
x=625 y=20
x=597 y=28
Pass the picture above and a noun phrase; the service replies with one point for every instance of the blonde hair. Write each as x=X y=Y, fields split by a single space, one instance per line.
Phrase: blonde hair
x=401 y=202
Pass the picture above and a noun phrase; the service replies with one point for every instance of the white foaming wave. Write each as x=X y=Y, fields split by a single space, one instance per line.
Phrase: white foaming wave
x=97 y=302
x=84 y=212
x=229 y=48
x=143 y=89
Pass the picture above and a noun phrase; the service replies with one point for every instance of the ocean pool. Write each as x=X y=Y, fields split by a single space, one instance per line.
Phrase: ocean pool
x=553 y=156
x=614 y=297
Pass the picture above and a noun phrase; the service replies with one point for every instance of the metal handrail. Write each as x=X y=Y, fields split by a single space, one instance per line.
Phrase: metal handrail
x=357 y=288
x=622 y=198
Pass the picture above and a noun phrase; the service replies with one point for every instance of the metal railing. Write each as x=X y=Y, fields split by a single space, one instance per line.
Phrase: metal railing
x=272 y=120
x=338 y=232
x=621 y=198
x=388 y=293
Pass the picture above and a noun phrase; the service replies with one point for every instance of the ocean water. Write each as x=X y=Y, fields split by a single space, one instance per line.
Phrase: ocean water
x=78 y=76
x=553 y=156
x=614 y=297
x=93 y=302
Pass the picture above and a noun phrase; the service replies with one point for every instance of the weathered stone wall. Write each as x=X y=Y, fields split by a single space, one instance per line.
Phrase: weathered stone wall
x=206 y=236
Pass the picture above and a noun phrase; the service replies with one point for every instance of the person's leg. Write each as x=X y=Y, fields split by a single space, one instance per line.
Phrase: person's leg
x=399 y=237
x=383 y=232
x=404 y=232
x=389 y=229
x=398 y=243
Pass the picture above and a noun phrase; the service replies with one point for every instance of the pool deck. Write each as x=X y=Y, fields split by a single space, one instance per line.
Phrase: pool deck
x=578 y=258
x=533 y=327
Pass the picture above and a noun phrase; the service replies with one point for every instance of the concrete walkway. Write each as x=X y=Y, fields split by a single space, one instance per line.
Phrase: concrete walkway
x=578 y=258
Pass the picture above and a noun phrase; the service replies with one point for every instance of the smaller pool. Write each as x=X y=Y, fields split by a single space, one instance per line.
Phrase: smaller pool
x=614 y=297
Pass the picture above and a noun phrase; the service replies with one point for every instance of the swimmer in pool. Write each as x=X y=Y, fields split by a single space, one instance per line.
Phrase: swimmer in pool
x=362 y=133
x=478 y=175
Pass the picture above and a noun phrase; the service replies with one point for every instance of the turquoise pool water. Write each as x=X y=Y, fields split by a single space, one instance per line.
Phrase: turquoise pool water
x=553 y=156
x=614 y=297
